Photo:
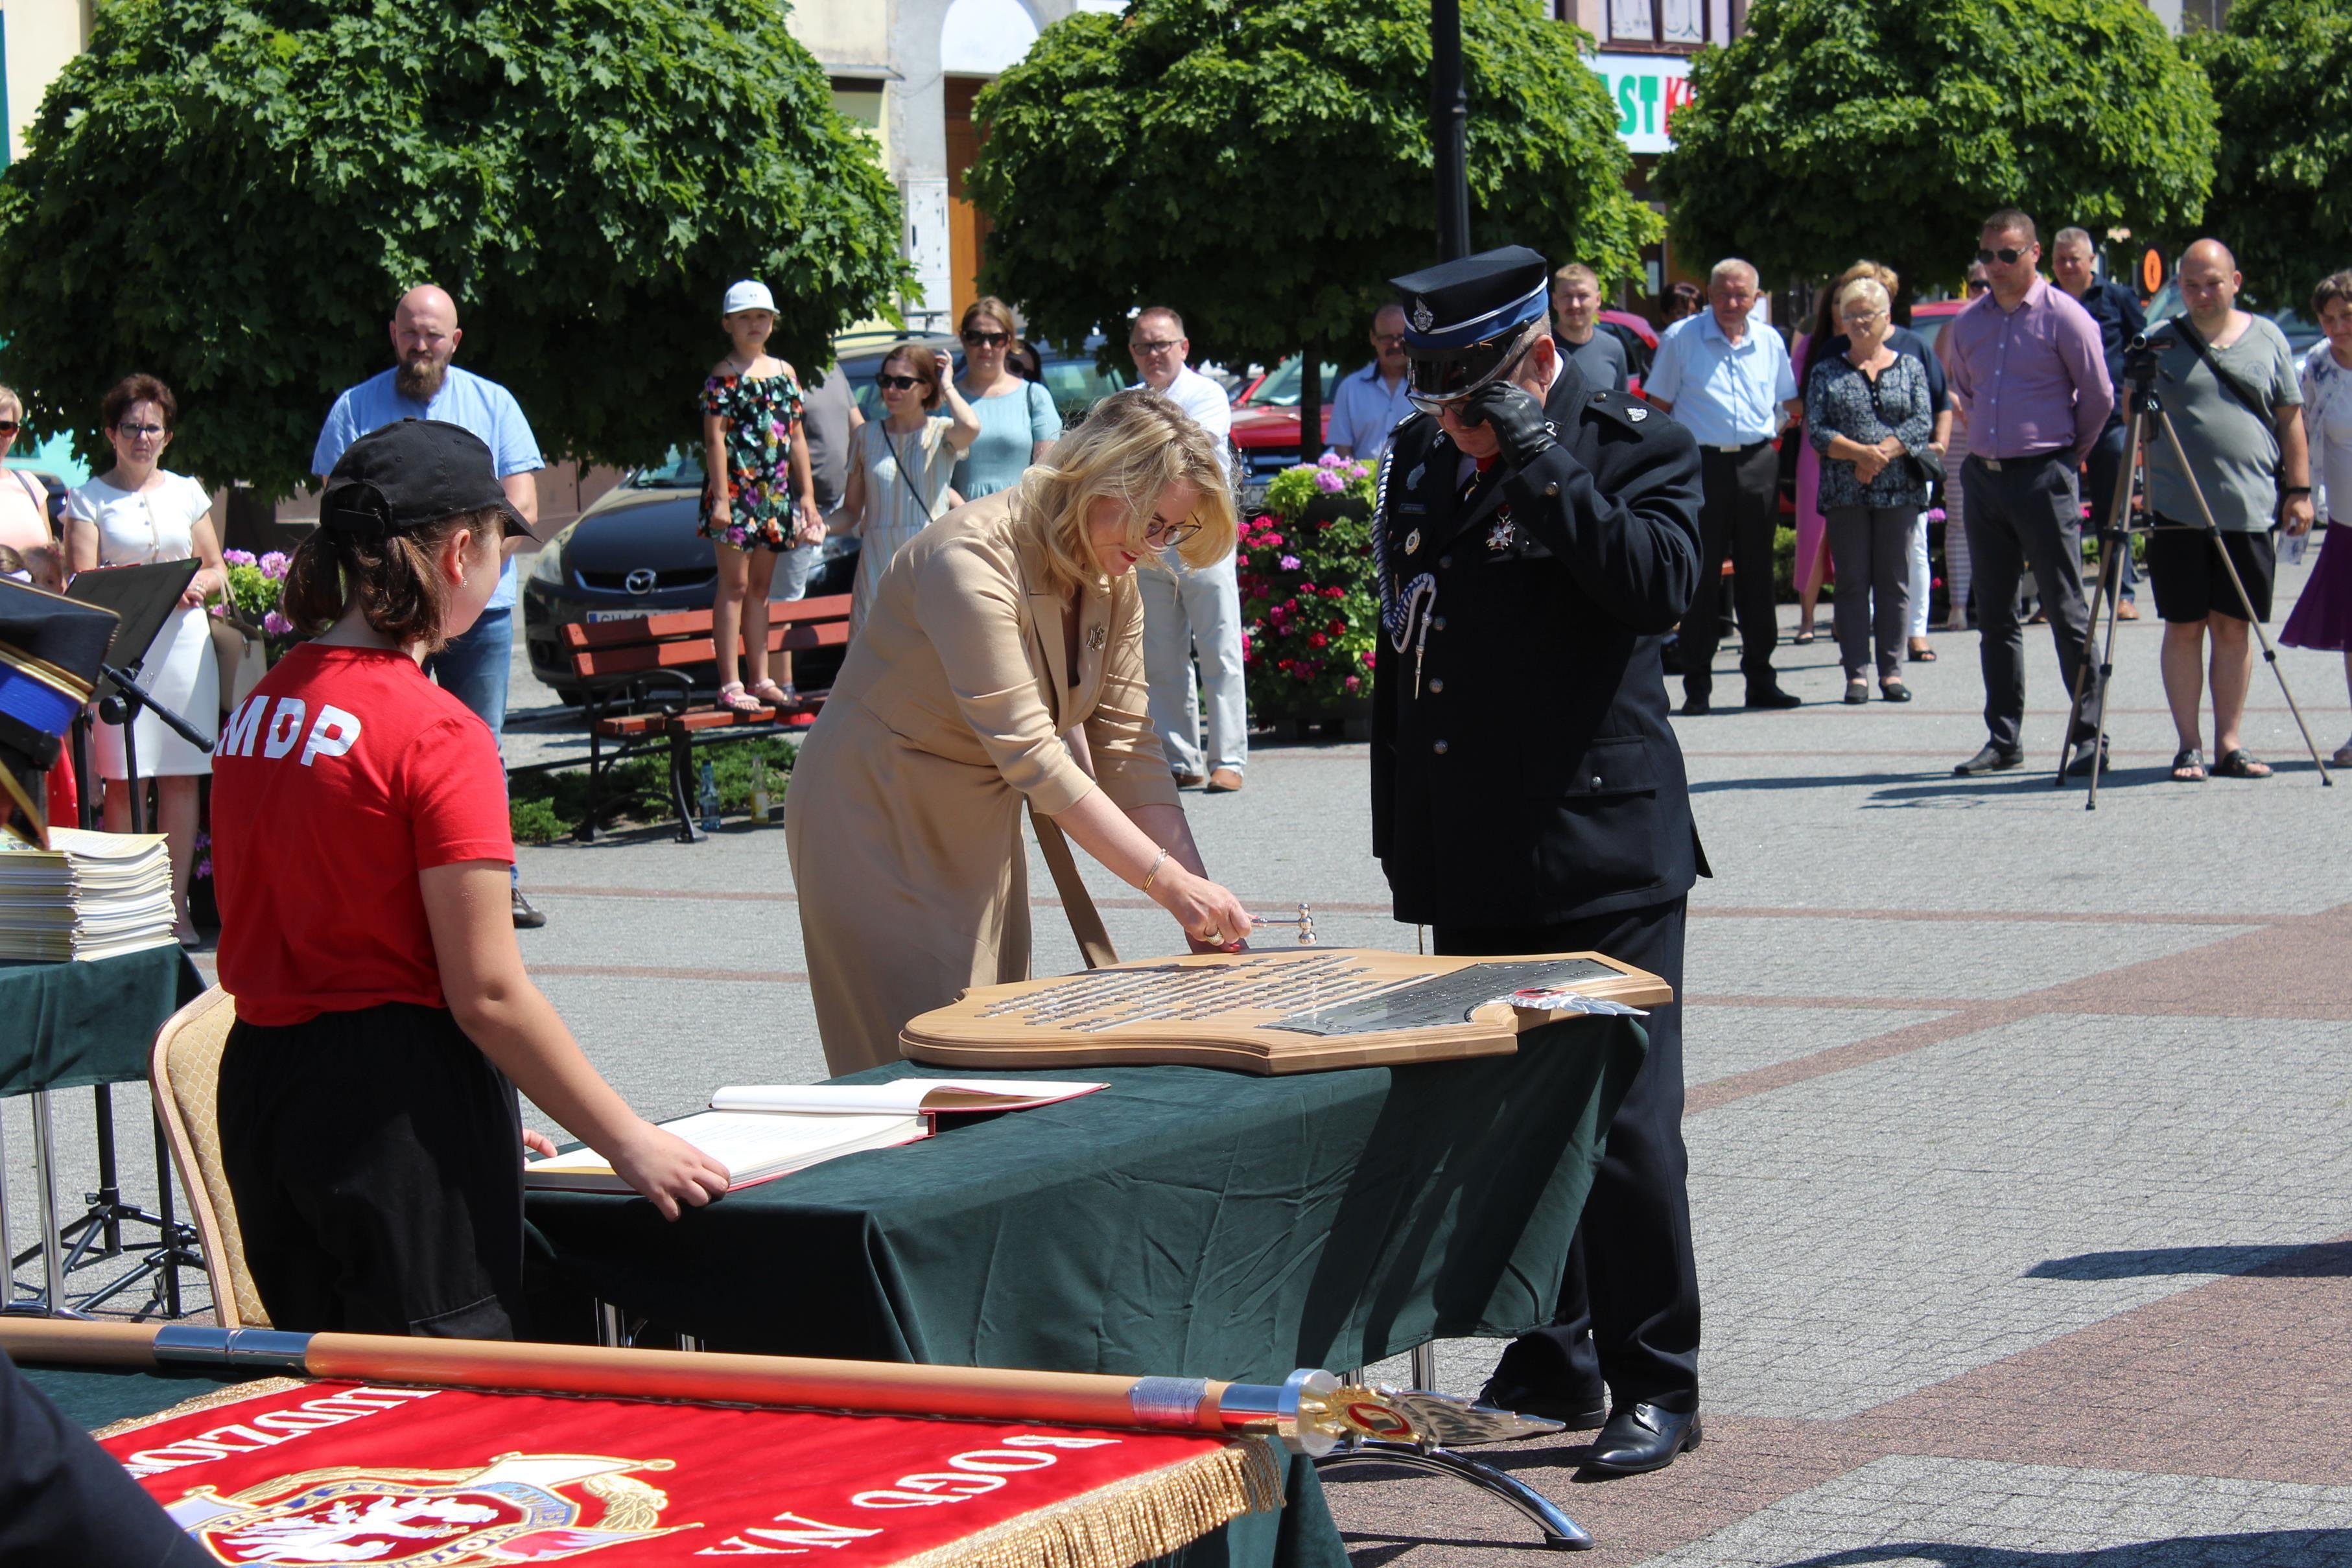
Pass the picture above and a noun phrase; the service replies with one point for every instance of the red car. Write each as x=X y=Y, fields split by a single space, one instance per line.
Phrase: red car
x=1266 y=410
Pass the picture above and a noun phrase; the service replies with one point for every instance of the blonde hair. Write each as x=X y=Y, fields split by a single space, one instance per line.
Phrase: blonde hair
x=16 y=404
x=1869 y=290
x=990 y=305
x=1133 y=445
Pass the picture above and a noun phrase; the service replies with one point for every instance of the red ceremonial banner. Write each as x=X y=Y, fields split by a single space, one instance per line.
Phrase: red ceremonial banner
x=294 y=1474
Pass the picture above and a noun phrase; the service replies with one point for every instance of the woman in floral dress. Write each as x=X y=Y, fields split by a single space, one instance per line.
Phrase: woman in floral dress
x=756 y=503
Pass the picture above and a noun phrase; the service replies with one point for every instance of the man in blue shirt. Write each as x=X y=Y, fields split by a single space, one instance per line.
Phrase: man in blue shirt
x=423 y=384
x=2073 y=261
x=1371 y=402
x=1727 y=379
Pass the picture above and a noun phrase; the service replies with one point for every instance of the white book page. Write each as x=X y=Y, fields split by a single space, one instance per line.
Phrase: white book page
x=902 y=1096
x=753 y=1146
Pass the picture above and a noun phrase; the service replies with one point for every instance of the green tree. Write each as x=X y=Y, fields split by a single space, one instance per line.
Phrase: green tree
x=1833 y=130
x=2282 y=72
x=1263 y=166
x=231 y=193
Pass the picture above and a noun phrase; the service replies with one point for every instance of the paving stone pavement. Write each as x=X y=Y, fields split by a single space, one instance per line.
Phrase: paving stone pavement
x=2020 y=1137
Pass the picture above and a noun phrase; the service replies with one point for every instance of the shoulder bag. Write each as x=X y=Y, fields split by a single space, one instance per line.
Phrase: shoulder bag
x=2265 y=415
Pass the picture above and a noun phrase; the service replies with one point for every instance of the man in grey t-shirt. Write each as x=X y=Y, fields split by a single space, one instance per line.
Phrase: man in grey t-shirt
x=1576 y=327
x=2228 y=379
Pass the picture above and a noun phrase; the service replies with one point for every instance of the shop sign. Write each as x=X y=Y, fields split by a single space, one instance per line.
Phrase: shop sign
x=1647 y=89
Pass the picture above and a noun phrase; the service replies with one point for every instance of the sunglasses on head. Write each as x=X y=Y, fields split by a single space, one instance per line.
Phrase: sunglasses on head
x=2005 y=256
x=987 y=339
x=898 y=384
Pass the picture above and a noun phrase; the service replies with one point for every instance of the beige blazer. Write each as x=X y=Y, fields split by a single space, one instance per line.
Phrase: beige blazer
x=903 y=819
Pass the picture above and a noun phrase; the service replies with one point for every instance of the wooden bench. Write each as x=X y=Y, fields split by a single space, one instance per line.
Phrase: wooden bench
x=639 y=695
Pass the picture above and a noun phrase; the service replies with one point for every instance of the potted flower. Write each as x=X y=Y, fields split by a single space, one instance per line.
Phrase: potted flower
x=250 y=630
x=1310 y=608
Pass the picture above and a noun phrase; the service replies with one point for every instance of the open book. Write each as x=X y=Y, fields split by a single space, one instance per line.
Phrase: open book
x=761 y=1132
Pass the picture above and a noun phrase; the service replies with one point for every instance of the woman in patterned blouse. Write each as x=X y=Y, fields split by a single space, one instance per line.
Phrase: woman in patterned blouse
x=757 y=501
x=1869 y=413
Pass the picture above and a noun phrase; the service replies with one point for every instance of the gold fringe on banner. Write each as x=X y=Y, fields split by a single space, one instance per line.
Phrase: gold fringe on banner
x=230 y=1394
x=1129 y=1521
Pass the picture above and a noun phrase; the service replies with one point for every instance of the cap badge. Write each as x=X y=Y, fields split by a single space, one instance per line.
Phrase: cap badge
x=1637 y=413
x=1424 y=318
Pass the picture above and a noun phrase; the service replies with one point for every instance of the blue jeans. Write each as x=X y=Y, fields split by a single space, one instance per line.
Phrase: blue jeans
x=474 y=669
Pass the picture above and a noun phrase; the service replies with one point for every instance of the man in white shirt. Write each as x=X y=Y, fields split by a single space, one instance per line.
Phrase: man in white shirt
x=1189 y=613
x=1371 y=402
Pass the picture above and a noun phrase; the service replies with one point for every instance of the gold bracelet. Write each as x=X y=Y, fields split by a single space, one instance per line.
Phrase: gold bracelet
x=1154 y=871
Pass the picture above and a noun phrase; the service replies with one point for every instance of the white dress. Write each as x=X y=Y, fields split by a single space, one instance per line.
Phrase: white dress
x=138 y=528
x=898 y=506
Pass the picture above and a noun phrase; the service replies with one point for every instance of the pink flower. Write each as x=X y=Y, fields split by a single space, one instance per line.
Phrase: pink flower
x=276 y=625
x=1353 y=682
x=1329 y=460
x=237 y=557
x=1370 y=657
x=1288 y=563
x=1271 y=541
x=1330 y=484
x=1335 y=593
x=274 y=564
x=1316 y=640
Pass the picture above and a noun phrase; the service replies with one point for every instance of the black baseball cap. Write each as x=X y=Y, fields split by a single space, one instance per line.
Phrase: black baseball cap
x=408 y=475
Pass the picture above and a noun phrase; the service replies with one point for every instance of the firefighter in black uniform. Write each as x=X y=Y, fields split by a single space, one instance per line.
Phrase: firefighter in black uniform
x=1535 y=539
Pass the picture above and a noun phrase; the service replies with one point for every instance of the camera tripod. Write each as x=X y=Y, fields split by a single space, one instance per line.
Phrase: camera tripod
x=2148 y=420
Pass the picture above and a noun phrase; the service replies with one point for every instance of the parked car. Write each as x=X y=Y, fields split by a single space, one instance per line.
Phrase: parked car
x=635 y=551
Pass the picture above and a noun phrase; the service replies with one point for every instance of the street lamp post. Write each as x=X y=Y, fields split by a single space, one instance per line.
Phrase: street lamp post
x=1449 y=112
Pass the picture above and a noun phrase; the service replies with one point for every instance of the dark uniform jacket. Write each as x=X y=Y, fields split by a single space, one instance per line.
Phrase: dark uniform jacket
x=1523 y=768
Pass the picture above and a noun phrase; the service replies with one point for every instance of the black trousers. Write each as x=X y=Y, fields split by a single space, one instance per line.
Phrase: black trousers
x=1628 y=1312
x=1735 y=520
x=64 y=1501
x=376 y=1161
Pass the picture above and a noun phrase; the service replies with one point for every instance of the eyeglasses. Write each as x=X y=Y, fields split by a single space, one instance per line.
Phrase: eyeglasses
x=898 y=384
x=1859 y=318
x=140 y=432
x=1157 y=346
x=1161 y=536
x=1978 y=286
x=1388 y=339
x=987 y=339
x=9 y=427
x=2006 y=256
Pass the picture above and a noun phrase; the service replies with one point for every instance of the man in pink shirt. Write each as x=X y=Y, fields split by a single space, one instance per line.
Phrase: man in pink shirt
x=2027 y=369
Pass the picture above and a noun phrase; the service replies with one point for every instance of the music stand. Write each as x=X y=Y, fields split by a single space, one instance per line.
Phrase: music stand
x=143 y=598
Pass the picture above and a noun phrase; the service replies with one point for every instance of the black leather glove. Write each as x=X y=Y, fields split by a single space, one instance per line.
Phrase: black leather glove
x=1516 y=418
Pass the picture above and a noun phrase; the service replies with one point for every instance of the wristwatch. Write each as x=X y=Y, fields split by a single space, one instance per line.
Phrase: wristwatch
x=2296 y=490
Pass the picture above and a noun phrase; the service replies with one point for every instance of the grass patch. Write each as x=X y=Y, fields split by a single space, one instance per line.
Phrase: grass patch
x=544 y=807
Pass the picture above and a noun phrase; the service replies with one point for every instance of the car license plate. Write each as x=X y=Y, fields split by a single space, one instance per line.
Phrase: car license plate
x=618 y=615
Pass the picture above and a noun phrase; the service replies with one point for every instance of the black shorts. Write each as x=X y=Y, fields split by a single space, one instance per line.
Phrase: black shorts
x=2189 y=582
x=376 y=1161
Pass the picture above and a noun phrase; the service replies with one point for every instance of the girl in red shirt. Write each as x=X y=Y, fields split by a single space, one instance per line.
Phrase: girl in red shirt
x=369 y=1124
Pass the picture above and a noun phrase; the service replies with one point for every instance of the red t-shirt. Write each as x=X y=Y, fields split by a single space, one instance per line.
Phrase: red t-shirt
x=345 y=774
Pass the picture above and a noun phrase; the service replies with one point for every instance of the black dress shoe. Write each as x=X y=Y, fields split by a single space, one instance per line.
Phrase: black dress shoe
x=1642 y=1438
x=1695 y=705
x=526 y=918
x=1773 y=696
x=1991 y=759
x=2079 y=765
x=1576 y=1412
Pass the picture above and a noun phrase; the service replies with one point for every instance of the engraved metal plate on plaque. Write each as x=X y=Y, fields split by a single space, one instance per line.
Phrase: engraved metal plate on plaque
x=1441 y=999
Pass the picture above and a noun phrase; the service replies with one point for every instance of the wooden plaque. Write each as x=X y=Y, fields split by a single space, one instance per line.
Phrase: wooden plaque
x=1302 y=1010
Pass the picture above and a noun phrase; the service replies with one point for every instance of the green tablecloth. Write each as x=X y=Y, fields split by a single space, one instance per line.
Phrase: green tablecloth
x=1184 y=1222
x=67 y=1026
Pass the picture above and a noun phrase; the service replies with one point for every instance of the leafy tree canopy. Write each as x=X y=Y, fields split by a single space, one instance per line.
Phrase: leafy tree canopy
x=1833 y=130
x=1263 y=166
x=231 y=193
x=2282 y=72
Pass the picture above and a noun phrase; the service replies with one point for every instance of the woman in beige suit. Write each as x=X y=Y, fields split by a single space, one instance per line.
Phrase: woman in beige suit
x=1003 y=661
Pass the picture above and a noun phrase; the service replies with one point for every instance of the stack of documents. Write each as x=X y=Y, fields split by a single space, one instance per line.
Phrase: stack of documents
x=87 y=895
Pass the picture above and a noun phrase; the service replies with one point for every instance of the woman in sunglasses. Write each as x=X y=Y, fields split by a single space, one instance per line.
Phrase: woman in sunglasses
x=137 y=512
x=1018 y=422
x=900 y=465
x=24 y=506
x=1001 y=665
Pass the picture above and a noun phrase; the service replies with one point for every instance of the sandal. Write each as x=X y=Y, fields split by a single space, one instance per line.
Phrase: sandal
x=1894 y=692
x=732 y=697
x=2188 y=766
x=1923 y=654
x=1803 y=639
x=771 y=695
x=2242 y=764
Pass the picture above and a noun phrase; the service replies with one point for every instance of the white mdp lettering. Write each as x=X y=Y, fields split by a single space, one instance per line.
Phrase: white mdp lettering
x=285 y=727
x=792 y=1543
x=332 y=735
x=236 y=735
